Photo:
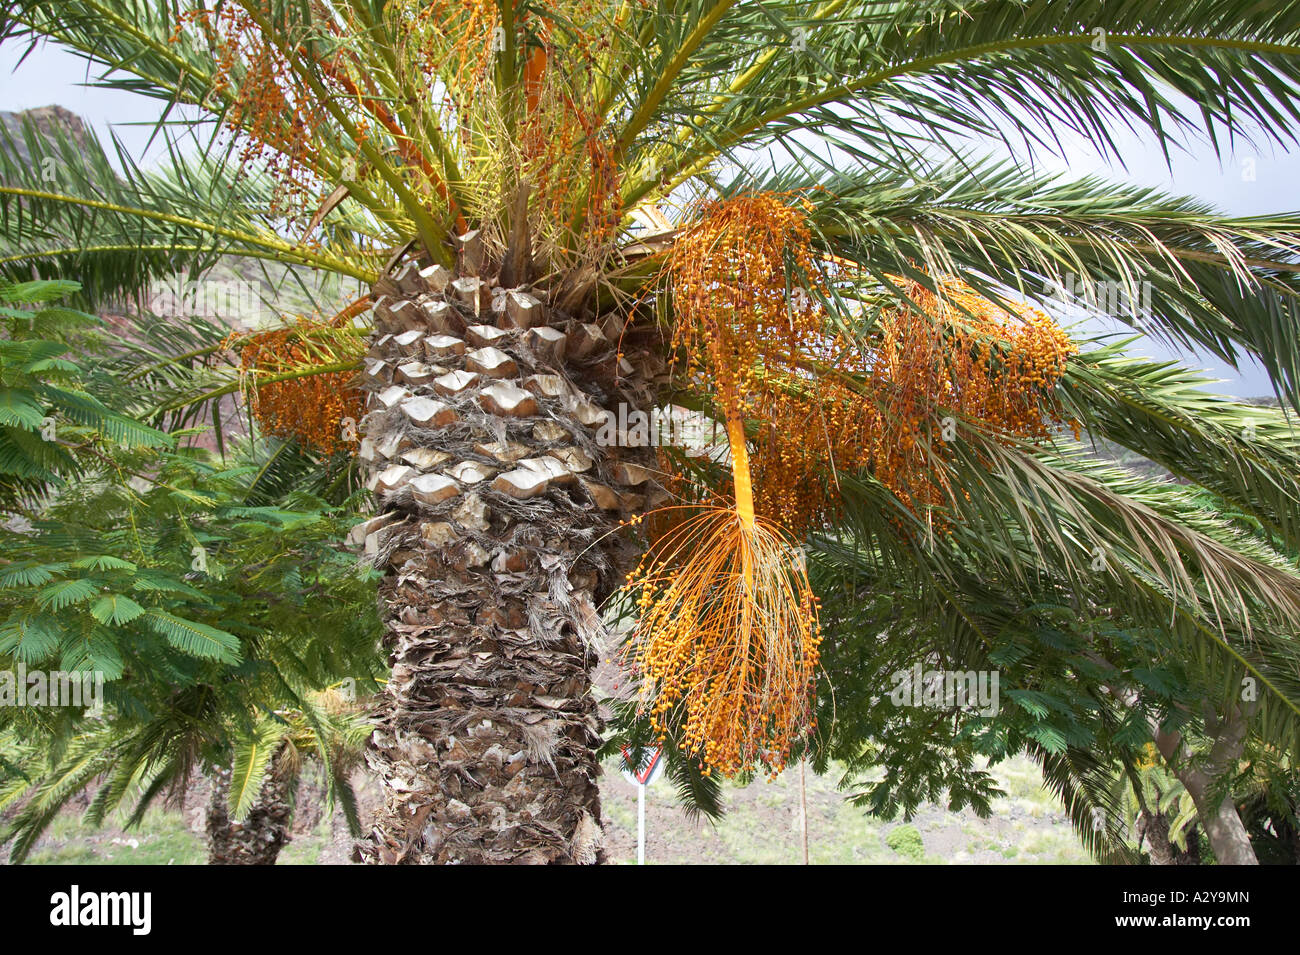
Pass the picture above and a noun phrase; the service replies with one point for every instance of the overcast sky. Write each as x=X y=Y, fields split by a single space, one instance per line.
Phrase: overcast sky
x=1244 y=183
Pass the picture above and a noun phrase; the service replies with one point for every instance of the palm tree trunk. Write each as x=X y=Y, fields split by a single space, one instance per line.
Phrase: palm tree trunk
x=497 y=511
x=258 y=839
x=1222 y=823
x=1154 y=828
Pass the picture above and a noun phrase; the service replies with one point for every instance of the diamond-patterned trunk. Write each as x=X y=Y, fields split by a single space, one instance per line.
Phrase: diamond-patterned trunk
x=497 y=518
x=259 y=837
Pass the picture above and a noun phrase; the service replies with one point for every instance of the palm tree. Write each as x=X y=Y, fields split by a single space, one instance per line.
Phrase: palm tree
x=254 y=769
x=556 y=205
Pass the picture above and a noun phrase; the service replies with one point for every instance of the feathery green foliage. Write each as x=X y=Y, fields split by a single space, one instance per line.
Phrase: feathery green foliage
x=50 y=426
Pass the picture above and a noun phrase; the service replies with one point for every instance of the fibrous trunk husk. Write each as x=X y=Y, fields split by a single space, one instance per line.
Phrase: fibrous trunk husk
x=258 y=839
x=496 y=528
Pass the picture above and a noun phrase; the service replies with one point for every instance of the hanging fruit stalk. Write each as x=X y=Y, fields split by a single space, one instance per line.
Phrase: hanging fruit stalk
x=726 y=643
x=727 y=636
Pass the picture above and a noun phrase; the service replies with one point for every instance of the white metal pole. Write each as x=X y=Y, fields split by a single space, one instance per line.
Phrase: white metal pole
x=803 y=810
x=640 y=825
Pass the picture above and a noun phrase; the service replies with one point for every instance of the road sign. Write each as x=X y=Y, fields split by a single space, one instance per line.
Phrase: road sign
x=650 y=768
x=642 y=774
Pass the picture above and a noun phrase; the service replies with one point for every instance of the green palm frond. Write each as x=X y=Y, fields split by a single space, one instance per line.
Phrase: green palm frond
x=1150 y=552
x=1170 y=267
x=1082 y=782
x=881 y=76
x=66 y=209
x=1248 y=455
x=253 y=753
x=45 y=795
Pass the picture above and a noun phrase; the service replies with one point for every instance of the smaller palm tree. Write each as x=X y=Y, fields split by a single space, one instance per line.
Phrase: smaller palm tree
x=251 y=805
x=254 y=771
